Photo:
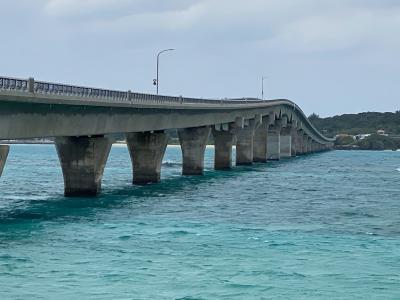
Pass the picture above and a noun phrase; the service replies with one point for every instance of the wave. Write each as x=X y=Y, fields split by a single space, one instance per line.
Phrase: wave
x=398 y=169
x=171 y=163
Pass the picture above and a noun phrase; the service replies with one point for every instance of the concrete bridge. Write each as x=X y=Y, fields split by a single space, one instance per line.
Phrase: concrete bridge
x=81 y=120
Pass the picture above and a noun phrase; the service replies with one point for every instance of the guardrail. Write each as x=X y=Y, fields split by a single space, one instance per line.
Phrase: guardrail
x=48 y=88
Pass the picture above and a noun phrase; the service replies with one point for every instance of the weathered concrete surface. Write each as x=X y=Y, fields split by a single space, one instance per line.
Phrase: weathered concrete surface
x=313 y=147
x=286 y=142
x=193 y=144
x=260 y=143
x=299 y=143
x=82 y=161
x=147 y=151
x=245 y=142
x=4 y=150
x=223 y=141
x=308 y=142
x=294 y=141
x=274 y=142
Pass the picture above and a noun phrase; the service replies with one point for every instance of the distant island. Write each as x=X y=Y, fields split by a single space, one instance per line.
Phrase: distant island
x=363 y=131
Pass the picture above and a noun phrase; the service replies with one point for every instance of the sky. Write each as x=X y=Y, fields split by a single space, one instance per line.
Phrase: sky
x=330 y=57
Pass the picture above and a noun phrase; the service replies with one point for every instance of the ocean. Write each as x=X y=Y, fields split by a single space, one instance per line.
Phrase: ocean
x=322 y=226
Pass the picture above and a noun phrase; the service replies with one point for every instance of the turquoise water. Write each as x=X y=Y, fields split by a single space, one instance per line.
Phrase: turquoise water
x=325 y=226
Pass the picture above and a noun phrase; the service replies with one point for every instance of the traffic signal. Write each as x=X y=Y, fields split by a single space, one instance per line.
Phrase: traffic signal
x=154 y=81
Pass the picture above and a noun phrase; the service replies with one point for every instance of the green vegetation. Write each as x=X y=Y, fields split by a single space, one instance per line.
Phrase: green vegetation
x=353 y=124
x=344 y=140
x=372 y=142
x=348 y=125
x=379 y=142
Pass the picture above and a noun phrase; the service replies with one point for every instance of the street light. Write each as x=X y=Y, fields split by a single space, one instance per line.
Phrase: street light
x=155 y=82
x=262 y=86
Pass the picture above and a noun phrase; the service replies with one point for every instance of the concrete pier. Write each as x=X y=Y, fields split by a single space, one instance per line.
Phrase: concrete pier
x=4 y=150
x=260 y=153
x=308 y=145
x=82 y=161
x=193 y=144
x=305 y=144
x=315 y=147
x=299 y=143
x=274 y=141
x=245 y=142
x=286 y=142
x=294 y=141
x=147 y=150
x=223 y=141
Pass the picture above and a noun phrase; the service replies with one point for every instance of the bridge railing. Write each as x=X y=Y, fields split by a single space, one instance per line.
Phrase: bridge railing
x=9 y=83
x=42 y=87
x=49 y=88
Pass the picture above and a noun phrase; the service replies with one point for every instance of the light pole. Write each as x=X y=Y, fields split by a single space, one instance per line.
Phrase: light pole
x=262 y=86
x=158 y=65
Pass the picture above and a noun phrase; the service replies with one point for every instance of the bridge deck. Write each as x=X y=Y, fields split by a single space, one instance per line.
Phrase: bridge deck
x=65 y=97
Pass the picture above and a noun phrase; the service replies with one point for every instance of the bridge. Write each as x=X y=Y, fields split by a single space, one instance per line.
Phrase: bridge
x=81 y=120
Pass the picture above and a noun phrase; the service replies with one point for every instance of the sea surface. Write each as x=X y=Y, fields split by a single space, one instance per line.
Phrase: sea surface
x=323 y=226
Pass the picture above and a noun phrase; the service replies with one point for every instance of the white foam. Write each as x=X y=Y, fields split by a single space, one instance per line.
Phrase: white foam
x=119 y=145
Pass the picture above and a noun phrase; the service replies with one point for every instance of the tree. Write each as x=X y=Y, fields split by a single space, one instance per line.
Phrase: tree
x=313 y=117
x=354 y=124
x=344 y=140
x=378 y=142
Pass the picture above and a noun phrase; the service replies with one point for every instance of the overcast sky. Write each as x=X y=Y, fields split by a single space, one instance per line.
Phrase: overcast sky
x=330 y=57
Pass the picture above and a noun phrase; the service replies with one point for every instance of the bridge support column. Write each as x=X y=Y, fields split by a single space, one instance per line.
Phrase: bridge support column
x=305 y=144
x=274 y=142
x=260 y=153
x=223 y=141
x=313 y=147
x=294 y=142
x=316 y=147
x=245 y=142
x=309 y=145
x=299 y=143
x=4 y=150
x=82 y=161
x=193 y=144
x=147 y=150
x=286 y=142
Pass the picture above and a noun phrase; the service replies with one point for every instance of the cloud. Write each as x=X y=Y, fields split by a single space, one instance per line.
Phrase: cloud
x=349 y=47
x=302 y=25
x=112 y=8
x=341 y=29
